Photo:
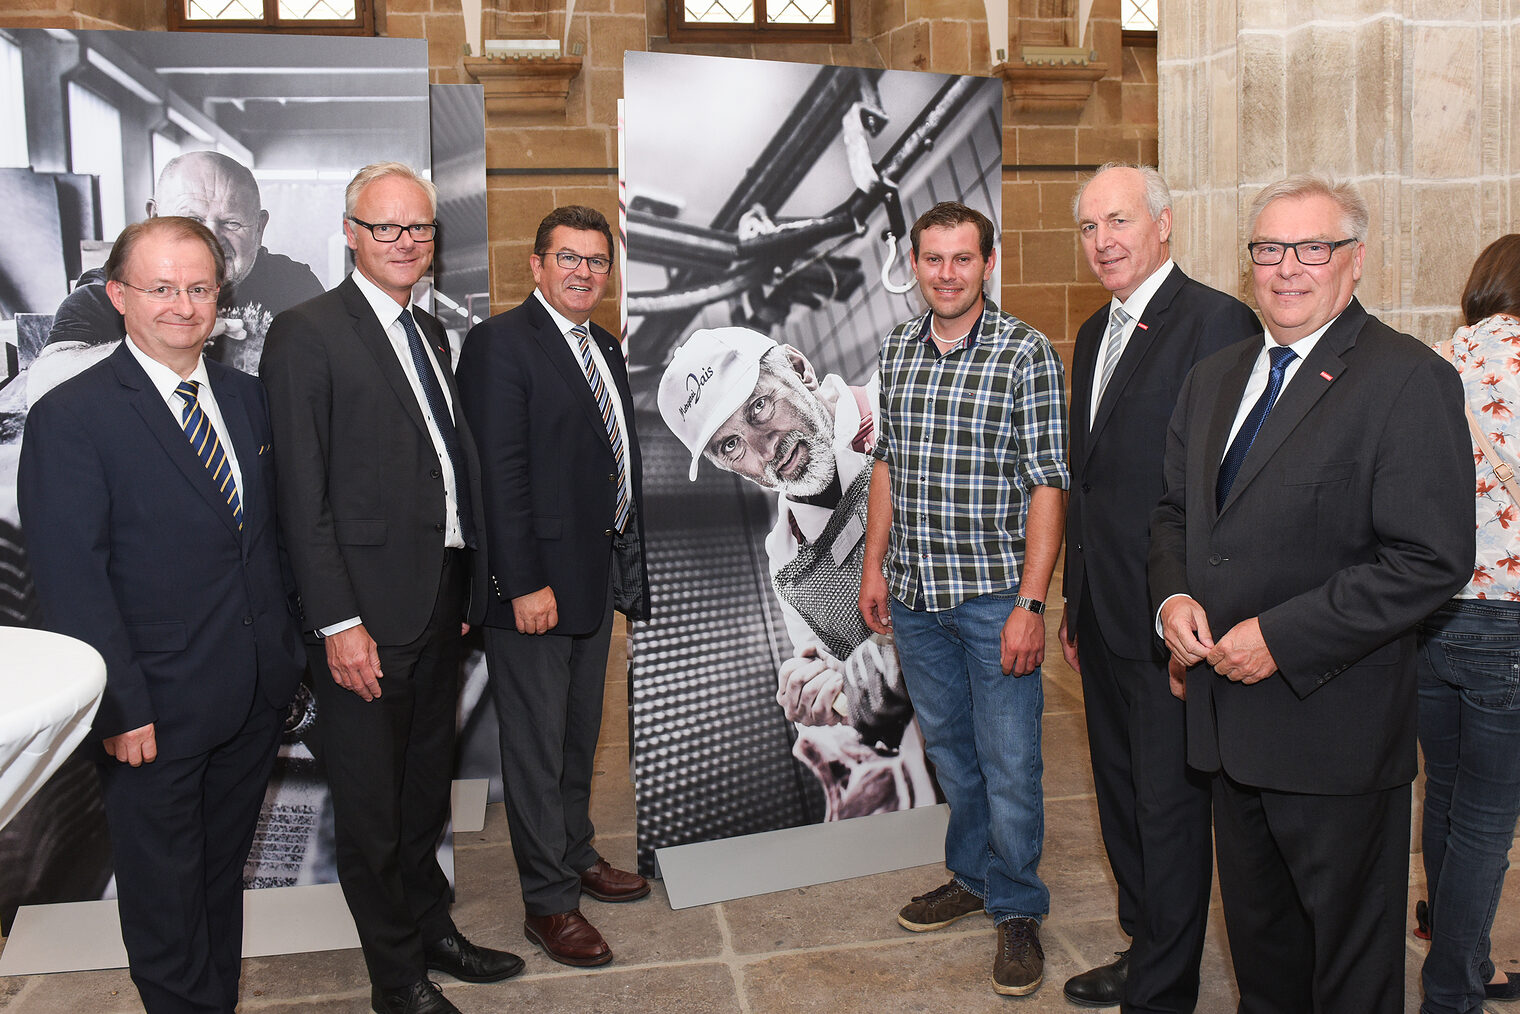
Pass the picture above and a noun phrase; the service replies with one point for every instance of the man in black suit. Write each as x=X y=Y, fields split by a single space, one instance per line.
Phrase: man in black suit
x=1318 y=503
x=380 y=509
x=146 y=488
x=546 y=391
x=1129 y=362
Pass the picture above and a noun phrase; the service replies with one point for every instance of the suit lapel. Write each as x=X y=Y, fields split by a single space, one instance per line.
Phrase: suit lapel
x=373 y=339
x=240 y=434
x=166 y=429
x=567 y=364
x=1147 y=334
x=1310 y=382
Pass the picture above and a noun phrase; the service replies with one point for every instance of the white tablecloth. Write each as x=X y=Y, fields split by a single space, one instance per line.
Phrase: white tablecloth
x=50 y=686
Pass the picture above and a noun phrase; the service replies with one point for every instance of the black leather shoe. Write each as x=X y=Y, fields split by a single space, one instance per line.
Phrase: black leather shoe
x=421 y=997
x=469 y=963
x=1102 y=986
x=1509 y=989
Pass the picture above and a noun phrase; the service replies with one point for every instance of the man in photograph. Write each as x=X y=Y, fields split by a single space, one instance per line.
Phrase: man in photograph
x=220 y=193
x=755 y=408
x=146 y=491
x=1128 y=365
x=1318 y=504
x=380 y=511
x=546 y=392
x=964 y=525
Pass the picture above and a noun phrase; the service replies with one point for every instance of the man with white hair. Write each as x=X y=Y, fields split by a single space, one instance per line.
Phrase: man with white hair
x=756 y=408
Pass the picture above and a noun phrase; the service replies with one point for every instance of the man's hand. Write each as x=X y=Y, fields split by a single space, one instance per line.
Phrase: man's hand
x=807 y=688
x=135 y=747
x=355 y=661
x=1023 y=642
x=1185 y=629
x=1176 y=678
x=1241 y=655
x=536 y=612
x=1068 y=645
x=874 y=608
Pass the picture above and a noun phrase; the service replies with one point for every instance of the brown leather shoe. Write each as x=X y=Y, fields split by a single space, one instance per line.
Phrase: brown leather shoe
x=604 y=883
x=568 y=938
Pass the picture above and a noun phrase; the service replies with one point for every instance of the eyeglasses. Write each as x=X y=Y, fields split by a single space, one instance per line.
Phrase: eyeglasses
x=168 y=293
x=1309 y=252
x=389 y=232
x=570 y=261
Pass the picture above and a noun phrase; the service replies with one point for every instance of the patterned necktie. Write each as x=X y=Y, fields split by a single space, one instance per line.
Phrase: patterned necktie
x=207 y=447
x=609 y=419
x=444 y=419
x=1236 y=455
x=1111 y=348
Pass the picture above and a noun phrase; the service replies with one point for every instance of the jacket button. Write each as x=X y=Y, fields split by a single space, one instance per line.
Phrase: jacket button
x=612 y=477
x=1215 y=560
x=435 y=473
x=438 y=527
x=609 y=532
x=1086 y=487
x=248 y=621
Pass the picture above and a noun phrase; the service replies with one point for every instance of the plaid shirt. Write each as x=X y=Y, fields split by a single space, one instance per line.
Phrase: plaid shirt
x=967 y=436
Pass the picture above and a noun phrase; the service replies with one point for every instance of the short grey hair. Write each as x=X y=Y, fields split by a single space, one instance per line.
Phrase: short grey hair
x=380 y=170
x=1355 y=215
x=1158 y=196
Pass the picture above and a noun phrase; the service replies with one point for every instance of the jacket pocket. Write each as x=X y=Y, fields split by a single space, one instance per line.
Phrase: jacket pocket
x=164 y=635
x=359 y=533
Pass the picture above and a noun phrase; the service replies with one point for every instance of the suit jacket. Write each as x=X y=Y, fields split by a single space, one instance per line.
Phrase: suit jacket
x=550 y=476
x=1116 y=461
x=1350 y=520
x=361 y=485
x=135 y=552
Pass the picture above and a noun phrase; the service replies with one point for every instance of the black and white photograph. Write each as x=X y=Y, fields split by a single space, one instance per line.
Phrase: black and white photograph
x=768 y=213
x=256 y=137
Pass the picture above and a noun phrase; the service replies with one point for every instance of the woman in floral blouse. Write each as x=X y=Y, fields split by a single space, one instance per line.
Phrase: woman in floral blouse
x=1469 y=715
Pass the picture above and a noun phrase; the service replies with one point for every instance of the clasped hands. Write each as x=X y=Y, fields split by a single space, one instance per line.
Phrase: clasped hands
x=1241 y=655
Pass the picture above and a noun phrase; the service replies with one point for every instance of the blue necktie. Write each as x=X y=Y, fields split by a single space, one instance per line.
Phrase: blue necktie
x=609 y=419
x=1236 y=455
x=422 y=360
x=207 y=447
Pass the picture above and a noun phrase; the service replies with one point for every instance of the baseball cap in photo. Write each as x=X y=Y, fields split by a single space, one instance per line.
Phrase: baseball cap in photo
x=707 y=380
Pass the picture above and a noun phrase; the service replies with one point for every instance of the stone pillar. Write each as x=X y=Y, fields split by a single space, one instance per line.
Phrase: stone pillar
x=1415 y=101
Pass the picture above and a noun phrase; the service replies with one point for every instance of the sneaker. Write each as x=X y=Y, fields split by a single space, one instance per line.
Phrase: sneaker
x=939 y=908
x=1019 y=967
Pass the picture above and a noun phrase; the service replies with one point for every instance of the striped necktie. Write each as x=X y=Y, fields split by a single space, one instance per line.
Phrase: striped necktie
x=609 y=419
x=207 y=447
x=1111 y=348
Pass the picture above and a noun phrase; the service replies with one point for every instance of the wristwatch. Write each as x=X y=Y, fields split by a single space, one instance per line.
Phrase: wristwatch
x=1033 y=605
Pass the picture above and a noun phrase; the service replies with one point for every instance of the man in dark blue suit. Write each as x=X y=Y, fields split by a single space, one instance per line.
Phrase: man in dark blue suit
x=146 y=488
x=546 y=394
x=1130 y=358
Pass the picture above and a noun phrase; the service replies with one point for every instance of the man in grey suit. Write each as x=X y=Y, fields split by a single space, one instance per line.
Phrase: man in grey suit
x=1318 y=503
x=380 y=509
x=1130 y=359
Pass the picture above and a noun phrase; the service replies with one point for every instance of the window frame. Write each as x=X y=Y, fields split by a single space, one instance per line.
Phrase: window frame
x=760 y=32
x=362 y=23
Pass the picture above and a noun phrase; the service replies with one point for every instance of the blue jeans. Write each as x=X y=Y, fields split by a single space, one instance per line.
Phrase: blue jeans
x=982 y=730
x=1469 y=666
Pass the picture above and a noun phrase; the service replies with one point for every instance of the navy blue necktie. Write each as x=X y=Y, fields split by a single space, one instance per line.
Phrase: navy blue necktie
x=1236 y=455
x=438 y=404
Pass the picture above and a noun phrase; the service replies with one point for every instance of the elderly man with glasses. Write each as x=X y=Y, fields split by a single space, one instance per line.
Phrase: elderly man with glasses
x=546 y=394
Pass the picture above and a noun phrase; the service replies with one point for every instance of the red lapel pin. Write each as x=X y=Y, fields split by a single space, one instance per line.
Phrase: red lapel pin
x=1326 y=375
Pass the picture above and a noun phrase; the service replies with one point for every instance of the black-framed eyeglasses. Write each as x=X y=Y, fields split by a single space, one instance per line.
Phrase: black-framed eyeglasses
x=168 y=293
x=389 y=232
x=599 y=265
x=1310 y=252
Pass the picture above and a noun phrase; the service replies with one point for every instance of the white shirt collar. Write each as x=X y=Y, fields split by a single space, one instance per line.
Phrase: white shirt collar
x=386 y=308
x=163 y=379
x=1304 y=345
x=560 y=320
x=1139 y=299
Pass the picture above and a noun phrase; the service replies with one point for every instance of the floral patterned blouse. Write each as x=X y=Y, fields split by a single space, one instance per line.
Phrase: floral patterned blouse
x=1487 y=355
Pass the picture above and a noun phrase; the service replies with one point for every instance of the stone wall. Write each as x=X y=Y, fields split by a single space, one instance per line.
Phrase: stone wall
x=1414 y=101
x=538 y=161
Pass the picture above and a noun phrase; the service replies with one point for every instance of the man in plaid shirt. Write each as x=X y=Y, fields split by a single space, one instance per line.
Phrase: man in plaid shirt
x=967 y=508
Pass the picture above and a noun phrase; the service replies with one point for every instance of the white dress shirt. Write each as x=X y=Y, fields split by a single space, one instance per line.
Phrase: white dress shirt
x=565 y=324
x=165 y=380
